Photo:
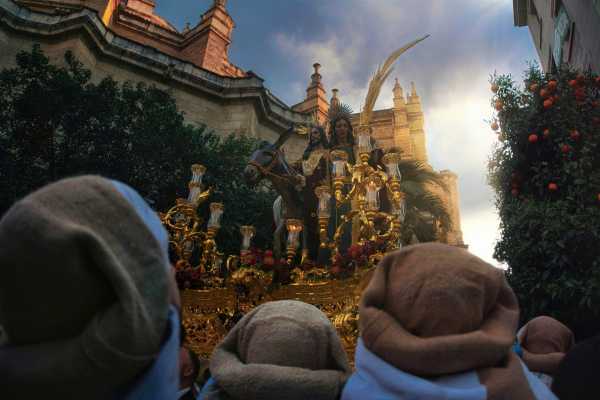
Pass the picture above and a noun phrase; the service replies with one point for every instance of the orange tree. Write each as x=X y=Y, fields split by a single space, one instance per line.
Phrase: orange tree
x=545 y=170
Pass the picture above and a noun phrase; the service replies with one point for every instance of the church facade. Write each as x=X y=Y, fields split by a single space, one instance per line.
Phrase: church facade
x=127 y=40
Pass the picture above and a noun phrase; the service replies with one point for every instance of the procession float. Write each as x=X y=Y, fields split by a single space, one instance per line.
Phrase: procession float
x=340 y=210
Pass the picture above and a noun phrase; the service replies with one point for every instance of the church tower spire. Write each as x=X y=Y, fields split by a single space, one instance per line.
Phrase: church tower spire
x=413 y=97
x=399 y=102
x=208 y=42
x=335 y=100
x=315 y=102
x=402 y=139
x=416 y=124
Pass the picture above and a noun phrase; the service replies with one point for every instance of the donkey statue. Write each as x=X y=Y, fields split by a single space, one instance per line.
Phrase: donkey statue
x=268 y=162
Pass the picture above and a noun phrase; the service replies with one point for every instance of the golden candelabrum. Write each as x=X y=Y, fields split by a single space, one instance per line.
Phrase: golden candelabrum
x=294 y=227
x=185 y=225
x=323 y=194
x=361 y=186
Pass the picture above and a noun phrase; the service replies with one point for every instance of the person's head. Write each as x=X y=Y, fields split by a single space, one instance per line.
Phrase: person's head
x=543 y=335
x=263 y=342
x=431 y=291
x=544 y=342
x=316 y=135
x=341 y=131
x=189 y=367
x=286 y=348
x=87 y=259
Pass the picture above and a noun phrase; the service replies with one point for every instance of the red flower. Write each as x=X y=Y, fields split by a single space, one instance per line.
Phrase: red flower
x=548 y=103
x=565 y=148
x=256 y=251
x=355 y=251
x=575 y=135
x=335 y=269
x=268 y=261
x=553 y=187
x=196 y=274
x=533 y=138
x=248 y=259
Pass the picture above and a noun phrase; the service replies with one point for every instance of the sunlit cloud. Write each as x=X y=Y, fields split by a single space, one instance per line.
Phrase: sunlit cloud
x=480 y=228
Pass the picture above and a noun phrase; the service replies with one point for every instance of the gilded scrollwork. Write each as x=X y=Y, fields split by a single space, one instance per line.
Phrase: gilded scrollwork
x=209 y=314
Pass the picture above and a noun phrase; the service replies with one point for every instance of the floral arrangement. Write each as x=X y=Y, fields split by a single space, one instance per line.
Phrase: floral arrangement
x=260 y=259
x=357 y=256
x=188 y=277
x=344 y=265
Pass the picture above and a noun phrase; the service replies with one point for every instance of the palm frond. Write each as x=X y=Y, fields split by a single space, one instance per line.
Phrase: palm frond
x=336 y=111
x=412 y=188
x=379 y=77
x=420 y=172
x=432 y=204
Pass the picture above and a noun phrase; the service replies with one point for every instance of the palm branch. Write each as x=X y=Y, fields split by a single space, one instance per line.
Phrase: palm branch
x=421 y=173
x=379 y=77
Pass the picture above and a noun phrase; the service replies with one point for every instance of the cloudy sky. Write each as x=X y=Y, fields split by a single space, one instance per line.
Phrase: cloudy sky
x=470 y=39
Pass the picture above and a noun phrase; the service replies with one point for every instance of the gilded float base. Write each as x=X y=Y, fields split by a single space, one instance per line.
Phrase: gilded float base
x=209 y=314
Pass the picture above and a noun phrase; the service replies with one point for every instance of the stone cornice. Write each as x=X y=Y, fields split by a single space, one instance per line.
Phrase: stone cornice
x=151 y=60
